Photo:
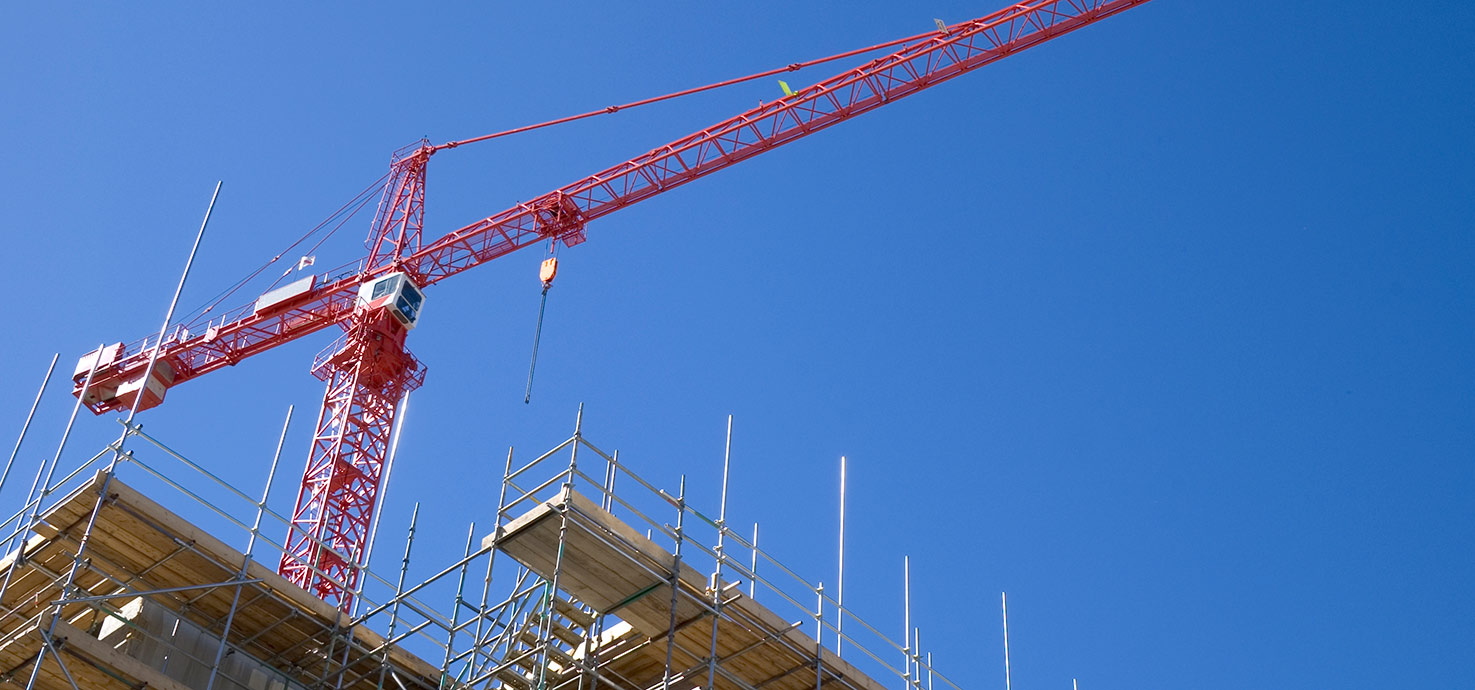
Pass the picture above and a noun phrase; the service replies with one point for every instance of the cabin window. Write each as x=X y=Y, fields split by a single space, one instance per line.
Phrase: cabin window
x=409 y=302
x=384 y=287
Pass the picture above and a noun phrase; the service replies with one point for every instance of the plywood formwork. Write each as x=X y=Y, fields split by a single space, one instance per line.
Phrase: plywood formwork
x=599 y=560
x=134 y=548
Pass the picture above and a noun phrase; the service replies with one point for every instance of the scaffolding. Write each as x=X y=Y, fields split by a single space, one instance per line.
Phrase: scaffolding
x=103 y=587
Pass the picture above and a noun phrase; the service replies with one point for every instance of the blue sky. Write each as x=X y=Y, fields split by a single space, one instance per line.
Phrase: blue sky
x=1164 y=327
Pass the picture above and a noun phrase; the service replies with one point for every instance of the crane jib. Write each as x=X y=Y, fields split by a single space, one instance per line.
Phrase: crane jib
x=961 y=48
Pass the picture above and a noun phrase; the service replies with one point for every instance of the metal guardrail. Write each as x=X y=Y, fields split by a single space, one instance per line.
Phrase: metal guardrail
x=473 y=636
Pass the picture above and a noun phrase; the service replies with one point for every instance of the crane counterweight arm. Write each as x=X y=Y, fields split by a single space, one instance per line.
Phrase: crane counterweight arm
x=563 y=214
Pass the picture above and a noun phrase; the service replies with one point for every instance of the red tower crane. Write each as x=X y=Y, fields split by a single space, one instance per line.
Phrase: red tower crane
x=377 y=301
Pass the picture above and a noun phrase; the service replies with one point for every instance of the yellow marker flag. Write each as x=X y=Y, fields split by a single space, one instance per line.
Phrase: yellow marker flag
x=785 y=86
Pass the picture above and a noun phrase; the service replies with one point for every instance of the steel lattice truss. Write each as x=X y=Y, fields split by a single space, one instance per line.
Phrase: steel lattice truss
x=371 y=371
x=562 y=213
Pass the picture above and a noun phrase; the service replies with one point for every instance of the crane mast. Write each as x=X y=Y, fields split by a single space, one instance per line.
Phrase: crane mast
x=368 y=372
x=376 y=300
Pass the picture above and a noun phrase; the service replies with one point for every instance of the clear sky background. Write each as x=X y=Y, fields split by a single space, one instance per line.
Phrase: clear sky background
x=1165 y=327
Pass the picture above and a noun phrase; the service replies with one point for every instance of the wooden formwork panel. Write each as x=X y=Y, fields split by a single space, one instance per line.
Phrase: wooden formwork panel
x=608 y=565
x=135 y=545
x=89 y=662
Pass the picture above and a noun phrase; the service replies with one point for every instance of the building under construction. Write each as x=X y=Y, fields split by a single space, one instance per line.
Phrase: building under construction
x=590 y=577
x=574 y=585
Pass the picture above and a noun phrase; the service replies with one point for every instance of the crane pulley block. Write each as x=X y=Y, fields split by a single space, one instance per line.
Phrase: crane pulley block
x=558 y=216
